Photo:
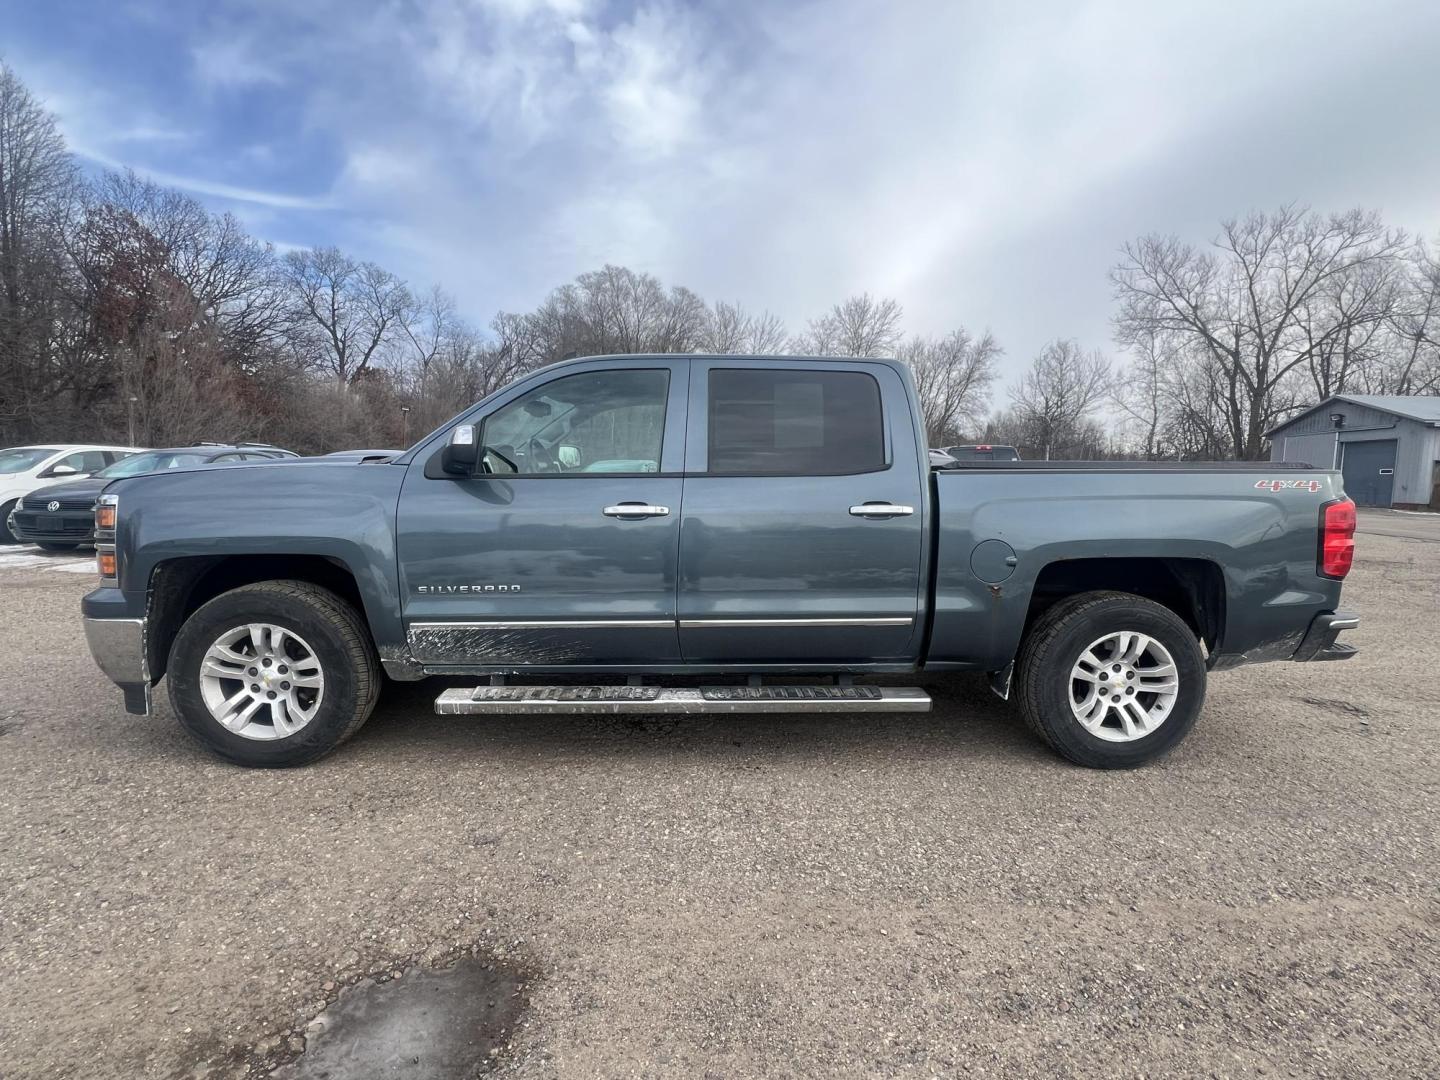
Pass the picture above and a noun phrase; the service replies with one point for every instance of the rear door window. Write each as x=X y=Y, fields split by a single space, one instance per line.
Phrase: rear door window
x=770 y=422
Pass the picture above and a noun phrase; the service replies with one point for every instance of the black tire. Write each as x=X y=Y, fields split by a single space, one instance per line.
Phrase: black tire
x=1054 y=645
x=334 y=630
x=6 y=536
x=44 y=545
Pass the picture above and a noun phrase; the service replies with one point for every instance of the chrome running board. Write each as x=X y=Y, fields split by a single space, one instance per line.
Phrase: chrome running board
x=491 y=700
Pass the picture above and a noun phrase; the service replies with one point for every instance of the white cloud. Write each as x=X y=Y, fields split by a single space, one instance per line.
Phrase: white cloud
x=200 y=186
x=652 y=77
x=88 y=113
x=232 y=61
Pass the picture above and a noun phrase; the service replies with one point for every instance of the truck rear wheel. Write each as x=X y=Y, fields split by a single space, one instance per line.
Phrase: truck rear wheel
x=1111 y=680
x=273 y=674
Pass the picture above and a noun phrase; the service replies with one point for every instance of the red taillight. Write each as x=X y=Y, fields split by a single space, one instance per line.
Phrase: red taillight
x=1337 y=538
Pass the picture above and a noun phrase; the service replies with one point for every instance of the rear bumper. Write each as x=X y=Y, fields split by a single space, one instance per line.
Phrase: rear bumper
x=118 y=646
x=1319 y=642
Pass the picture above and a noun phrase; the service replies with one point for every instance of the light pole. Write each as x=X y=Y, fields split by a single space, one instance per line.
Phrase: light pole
x=404 y=425
x=130 y=420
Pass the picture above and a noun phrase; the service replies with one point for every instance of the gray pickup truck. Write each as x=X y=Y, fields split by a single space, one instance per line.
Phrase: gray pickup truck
x=682 y=534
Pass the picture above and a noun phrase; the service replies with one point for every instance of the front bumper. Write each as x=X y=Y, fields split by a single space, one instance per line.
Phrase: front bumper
x=1319 y=642
x=63 y=527
x=118 y=646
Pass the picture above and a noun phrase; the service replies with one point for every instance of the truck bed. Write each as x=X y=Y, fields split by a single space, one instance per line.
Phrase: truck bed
x=1236 y=541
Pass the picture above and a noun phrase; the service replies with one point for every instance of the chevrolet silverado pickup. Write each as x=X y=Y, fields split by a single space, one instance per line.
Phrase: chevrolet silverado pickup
x=687 y=534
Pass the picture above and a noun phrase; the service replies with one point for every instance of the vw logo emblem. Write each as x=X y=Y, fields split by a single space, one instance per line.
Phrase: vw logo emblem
x=52 y=505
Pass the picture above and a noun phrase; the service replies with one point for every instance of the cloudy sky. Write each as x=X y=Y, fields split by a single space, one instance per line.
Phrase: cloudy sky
x=981 y=162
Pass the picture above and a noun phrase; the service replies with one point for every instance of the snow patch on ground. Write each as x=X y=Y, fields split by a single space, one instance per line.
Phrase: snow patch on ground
x=28 y=557
x=86 y=567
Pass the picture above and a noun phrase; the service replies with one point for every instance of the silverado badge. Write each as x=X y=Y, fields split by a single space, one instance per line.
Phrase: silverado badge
x=453 y=590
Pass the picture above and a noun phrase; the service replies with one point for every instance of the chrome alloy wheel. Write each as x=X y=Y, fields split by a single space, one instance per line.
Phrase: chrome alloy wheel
x=1123 y=686
x=261 y=681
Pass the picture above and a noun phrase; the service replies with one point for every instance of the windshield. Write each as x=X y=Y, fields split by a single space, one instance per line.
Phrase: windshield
x=152 y=462
x=23 y=457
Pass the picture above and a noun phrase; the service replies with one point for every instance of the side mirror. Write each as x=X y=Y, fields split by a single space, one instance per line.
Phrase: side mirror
x=64 y=470
x=462 y=451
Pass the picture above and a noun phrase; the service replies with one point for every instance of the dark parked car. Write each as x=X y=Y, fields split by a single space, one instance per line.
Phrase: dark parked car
x=61 y=517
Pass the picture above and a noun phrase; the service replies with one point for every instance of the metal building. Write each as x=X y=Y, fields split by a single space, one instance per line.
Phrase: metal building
x=1387 y=446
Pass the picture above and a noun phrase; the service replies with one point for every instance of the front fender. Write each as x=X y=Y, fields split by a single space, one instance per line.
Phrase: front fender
x=344 y=512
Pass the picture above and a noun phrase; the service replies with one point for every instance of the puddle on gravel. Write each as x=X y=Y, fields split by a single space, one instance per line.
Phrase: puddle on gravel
x=428 y=1025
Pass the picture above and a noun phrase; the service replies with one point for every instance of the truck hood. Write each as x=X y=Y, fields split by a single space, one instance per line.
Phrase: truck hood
x=284 y=477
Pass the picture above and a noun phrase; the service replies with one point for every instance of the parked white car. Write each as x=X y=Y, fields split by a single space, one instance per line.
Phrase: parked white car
x=25 y=468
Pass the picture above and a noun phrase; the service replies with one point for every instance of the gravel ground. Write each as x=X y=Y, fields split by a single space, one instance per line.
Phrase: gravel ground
x=928 y=895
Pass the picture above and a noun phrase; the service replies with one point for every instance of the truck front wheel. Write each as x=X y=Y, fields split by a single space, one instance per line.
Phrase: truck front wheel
x=1110 y=680
x=273 y=674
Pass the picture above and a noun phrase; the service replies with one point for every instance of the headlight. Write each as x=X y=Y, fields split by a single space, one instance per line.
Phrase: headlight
x=107 y=512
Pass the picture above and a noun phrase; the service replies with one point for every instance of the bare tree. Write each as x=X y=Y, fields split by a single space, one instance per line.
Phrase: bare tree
x=427 y=323
x=1248 y=304
x=1412 y=363
x=347 y=310
x=681 y=325
x=767 y=335
x=1058 y=393
x=859 y=326
x=953 y=376
x=616 y=310
x=730 y=330
x=37 y=191
x=1139 y=391
x=1345 y=327
x=175 y=373
x=233 y=279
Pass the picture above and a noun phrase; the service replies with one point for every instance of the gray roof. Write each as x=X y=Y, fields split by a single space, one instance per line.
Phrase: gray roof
x=1422 y=407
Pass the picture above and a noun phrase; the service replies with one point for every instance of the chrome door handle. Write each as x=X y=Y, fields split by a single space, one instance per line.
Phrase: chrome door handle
x=877 y=509
x=636 y=510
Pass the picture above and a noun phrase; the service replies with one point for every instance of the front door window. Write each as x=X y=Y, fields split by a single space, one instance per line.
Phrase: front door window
x=595 y=422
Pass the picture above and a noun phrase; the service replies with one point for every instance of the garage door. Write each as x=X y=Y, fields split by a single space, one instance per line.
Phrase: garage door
x=1369 y=469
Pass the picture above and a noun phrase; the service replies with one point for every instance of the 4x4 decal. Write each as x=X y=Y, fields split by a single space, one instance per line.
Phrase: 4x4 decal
x=1281 y=485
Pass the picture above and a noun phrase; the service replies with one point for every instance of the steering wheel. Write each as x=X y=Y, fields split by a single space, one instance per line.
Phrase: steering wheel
x=541 y=459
